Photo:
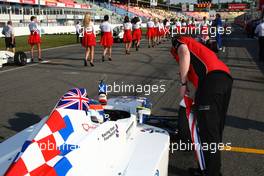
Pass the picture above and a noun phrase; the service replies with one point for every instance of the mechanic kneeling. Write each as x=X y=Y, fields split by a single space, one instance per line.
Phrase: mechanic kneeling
x=213 y=82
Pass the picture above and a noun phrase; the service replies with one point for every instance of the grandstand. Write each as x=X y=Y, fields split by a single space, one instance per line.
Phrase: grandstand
x=99 y=11
x=67 y=12
x=224 y=15
x=51 y=12
x=143 y=12
x=147 y=12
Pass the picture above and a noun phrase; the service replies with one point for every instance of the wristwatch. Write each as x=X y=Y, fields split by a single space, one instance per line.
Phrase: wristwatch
x=183 y=84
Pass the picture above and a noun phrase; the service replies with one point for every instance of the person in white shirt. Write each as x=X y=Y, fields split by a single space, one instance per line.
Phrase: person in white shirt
x=127 y=38
x=8 y=32
x=107 y=38
x=78 y=28
x=89 y=39
x=259 y=31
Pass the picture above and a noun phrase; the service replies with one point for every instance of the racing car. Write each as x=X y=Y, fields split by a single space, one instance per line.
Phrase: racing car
x=18 y=58
x=83 y=136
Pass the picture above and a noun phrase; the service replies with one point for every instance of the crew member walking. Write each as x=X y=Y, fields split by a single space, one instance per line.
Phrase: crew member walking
x=127 y=39
x=8 y=32
x=218 y=24
x=260 y=33
x=34 y=37
x=89 y=39
x=107 y=38
x=211 y=78
x=78 y=29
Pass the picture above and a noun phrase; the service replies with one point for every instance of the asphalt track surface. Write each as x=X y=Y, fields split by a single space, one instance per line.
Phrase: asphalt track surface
x=29 y=93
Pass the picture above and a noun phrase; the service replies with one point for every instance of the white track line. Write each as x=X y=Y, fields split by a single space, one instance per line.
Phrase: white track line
x=22 y=67
x=31 y=65
x=59 y=47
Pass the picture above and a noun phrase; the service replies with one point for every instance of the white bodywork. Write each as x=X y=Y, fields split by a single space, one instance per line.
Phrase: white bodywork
x=6 y=57
x=113 y=148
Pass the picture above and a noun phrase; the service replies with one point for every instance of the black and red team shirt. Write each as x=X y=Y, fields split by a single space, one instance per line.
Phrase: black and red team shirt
x=203 y=60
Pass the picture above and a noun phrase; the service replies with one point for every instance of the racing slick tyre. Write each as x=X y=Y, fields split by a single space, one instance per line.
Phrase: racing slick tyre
x=20 y=58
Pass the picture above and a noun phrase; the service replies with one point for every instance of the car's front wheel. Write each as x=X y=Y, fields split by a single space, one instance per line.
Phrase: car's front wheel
x=20 y=58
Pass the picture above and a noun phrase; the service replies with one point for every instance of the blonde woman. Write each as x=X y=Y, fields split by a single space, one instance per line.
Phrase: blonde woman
x=89 y=39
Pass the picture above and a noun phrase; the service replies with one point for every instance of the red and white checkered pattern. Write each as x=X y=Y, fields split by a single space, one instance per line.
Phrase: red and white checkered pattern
x=42 y=153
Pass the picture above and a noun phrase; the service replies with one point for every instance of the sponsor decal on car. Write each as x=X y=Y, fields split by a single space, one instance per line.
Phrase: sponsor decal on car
x=111 y=132
x=88 y=127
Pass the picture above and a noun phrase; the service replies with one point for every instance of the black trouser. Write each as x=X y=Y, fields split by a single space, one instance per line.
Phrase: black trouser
x=261 y=48
x=8 y=42
x=212 y=100
x=77 y=37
